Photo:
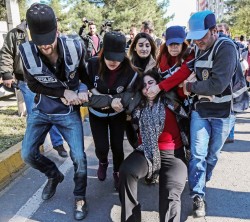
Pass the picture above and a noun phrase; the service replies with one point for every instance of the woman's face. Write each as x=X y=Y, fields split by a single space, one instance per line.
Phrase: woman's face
x=174 y=49
x=112 y=65
x=148 y=82
x=143 y=48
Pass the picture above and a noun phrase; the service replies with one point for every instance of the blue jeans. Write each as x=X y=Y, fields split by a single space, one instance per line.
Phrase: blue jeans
x=207 y=138
x=28 y=96
x=70 y=126
x=231 y=134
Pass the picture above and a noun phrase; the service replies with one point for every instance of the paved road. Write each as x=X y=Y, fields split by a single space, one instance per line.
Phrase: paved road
x=228 y=193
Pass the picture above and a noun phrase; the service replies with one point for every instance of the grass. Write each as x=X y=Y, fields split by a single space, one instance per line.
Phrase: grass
x=12 y=127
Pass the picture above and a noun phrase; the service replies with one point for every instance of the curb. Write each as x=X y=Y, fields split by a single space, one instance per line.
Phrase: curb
x=10 y=163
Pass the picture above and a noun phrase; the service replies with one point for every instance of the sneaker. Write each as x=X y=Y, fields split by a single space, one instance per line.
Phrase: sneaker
x=116 y=180
x=61 y=151
x=50 y=188
x=102 y=171
x=81 y=208
x=199 y=206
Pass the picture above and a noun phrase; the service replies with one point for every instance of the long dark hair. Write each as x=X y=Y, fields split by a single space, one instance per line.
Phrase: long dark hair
x=125 y=65
x=183 y=55
x=133 y=54
x=153 y=73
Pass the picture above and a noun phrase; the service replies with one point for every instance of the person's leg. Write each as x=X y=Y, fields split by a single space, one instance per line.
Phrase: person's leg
x=57 y=141
x=132 y=169
x=230 y=138
x=219 y=133
x=38 y=126
x=200 y=131
x=172 y=179
x=28 y=96
x=71 y=128
x=117 y=125
x=99 y=129
x=56 y=138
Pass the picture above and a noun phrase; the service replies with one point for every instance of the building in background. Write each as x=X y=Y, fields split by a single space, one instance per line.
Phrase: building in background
x=216 y=6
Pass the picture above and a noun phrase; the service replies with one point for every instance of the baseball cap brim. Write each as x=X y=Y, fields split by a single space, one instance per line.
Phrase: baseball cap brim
x=114 y=56
x=174 y=40
x=44 y=39
x=195 y=35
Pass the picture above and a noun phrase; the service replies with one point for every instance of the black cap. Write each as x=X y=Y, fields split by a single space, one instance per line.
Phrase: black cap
x=114 y=45
x=42 y=24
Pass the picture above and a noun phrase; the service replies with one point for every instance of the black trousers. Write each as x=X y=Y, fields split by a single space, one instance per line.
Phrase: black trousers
x=172 y=179
x=104 y=127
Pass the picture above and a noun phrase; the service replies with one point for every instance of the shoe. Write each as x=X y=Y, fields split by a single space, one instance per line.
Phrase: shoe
x=229 y=140
x=116 y=180
x=199 y=206
x=50 y=188
x=61 y=151
x=102 y=171
x=81 y=209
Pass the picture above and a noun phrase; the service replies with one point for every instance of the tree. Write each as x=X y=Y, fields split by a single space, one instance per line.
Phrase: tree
x=80 y=9
x=237 y=16
x=127 y=12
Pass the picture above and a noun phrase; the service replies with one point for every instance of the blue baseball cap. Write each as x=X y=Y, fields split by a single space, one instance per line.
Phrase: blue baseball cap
x=199 y=24
x=175 y=34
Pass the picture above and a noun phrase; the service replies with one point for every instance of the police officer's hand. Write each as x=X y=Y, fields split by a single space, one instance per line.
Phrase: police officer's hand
x=153 y=91
x=83 y=96
x=185 y=88
x=248 y=78
x=71 y=97
x=8 y=82
x=117 y=105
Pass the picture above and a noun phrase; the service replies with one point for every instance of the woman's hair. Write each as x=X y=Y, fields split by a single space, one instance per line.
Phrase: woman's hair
x=153 y=73
x=164 y=51
x=125 y=64
x=133 y=54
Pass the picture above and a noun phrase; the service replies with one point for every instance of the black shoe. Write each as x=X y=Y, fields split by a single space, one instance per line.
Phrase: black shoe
x=229 y=140
x=81 y=208
x=102 y=171
x=61 y=151
x=199 y=206
x=50 y=188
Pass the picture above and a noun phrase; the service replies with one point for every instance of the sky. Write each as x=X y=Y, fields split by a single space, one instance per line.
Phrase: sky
x=182 y=10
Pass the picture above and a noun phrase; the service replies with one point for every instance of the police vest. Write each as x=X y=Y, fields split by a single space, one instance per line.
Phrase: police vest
x=220 y=105
x=72 y=51
x=238 y=83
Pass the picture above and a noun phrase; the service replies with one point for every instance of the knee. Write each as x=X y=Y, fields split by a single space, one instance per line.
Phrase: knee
x=27 y=156
x=126 y=171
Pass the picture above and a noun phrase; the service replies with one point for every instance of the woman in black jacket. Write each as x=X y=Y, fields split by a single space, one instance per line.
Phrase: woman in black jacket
x=110 y=73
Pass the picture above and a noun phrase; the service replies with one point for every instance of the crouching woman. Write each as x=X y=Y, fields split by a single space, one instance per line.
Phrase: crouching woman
x=160 y=154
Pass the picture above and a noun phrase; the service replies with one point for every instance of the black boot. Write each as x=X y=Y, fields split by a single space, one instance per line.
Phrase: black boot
x=50 y=188
x=81 y=208
x=61 y=151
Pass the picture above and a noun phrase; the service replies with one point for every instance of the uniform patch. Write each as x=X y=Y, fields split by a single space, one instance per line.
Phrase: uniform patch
x=205 y=74
x=72 y=75
x=119 y=89
x=46 y=79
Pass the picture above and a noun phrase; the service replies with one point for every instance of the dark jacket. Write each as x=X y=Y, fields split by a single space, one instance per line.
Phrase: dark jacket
x=89 y=45
x=122 y=83
x=10 y=59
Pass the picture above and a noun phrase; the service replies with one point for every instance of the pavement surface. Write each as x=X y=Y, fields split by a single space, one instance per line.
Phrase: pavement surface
x=228 y=193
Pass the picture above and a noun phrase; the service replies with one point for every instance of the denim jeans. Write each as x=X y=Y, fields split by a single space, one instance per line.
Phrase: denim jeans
x=70 y=126
x=28 y=96
x=207 y=138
